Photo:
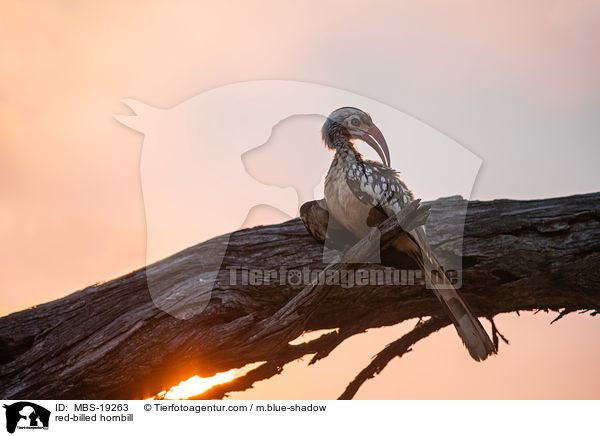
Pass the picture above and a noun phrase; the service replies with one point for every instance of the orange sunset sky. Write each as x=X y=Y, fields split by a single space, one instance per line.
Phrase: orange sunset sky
x=516 y=83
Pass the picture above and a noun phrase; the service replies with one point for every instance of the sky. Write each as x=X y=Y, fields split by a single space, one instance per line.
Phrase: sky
x=515 y=83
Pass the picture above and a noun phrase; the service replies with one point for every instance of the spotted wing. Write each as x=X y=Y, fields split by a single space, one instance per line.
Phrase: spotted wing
x=378 y=186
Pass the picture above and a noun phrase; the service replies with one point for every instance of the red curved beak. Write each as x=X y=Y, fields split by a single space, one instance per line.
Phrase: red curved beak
x=375 y=139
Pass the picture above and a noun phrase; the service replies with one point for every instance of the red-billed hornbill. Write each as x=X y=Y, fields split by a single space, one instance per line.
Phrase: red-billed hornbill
x=360 y=193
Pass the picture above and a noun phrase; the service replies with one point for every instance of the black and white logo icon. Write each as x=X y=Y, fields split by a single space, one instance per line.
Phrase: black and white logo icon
x=26 y=415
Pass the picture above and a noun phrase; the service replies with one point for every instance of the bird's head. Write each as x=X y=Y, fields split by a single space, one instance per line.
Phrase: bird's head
x=348 y=123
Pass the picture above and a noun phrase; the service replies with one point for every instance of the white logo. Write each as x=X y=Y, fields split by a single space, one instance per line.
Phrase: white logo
x=251 y=153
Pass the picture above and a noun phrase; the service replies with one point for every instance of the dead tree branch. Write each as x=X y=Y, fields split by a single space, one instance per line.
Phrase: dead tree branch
x=110 y=341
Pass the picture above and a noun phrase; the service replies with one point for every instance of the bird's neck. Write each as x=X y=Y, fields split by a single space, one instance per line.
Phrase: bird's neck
x=347 y=155
x=337 y=138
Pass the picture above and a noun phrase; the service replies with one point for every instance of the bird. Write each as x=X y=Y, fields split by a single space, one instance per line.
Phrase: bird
x=360 y=194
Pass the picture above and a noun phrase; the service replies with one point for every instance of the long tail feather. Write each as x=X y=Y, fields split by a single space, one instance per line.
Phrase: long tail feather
x=470 y=330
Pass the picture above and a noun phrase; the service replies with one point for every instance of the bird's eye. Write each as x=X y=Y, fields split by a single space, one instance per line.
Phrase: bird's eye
x=354 y=122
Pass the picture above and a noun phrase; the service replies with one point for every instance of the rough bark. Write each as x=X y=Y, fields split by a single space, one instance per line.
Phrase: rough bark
x=109 y=341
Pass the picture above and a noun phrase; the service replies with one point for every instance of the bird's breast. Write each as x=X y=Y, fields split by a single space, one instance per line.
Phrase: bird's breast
x=343 y=205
